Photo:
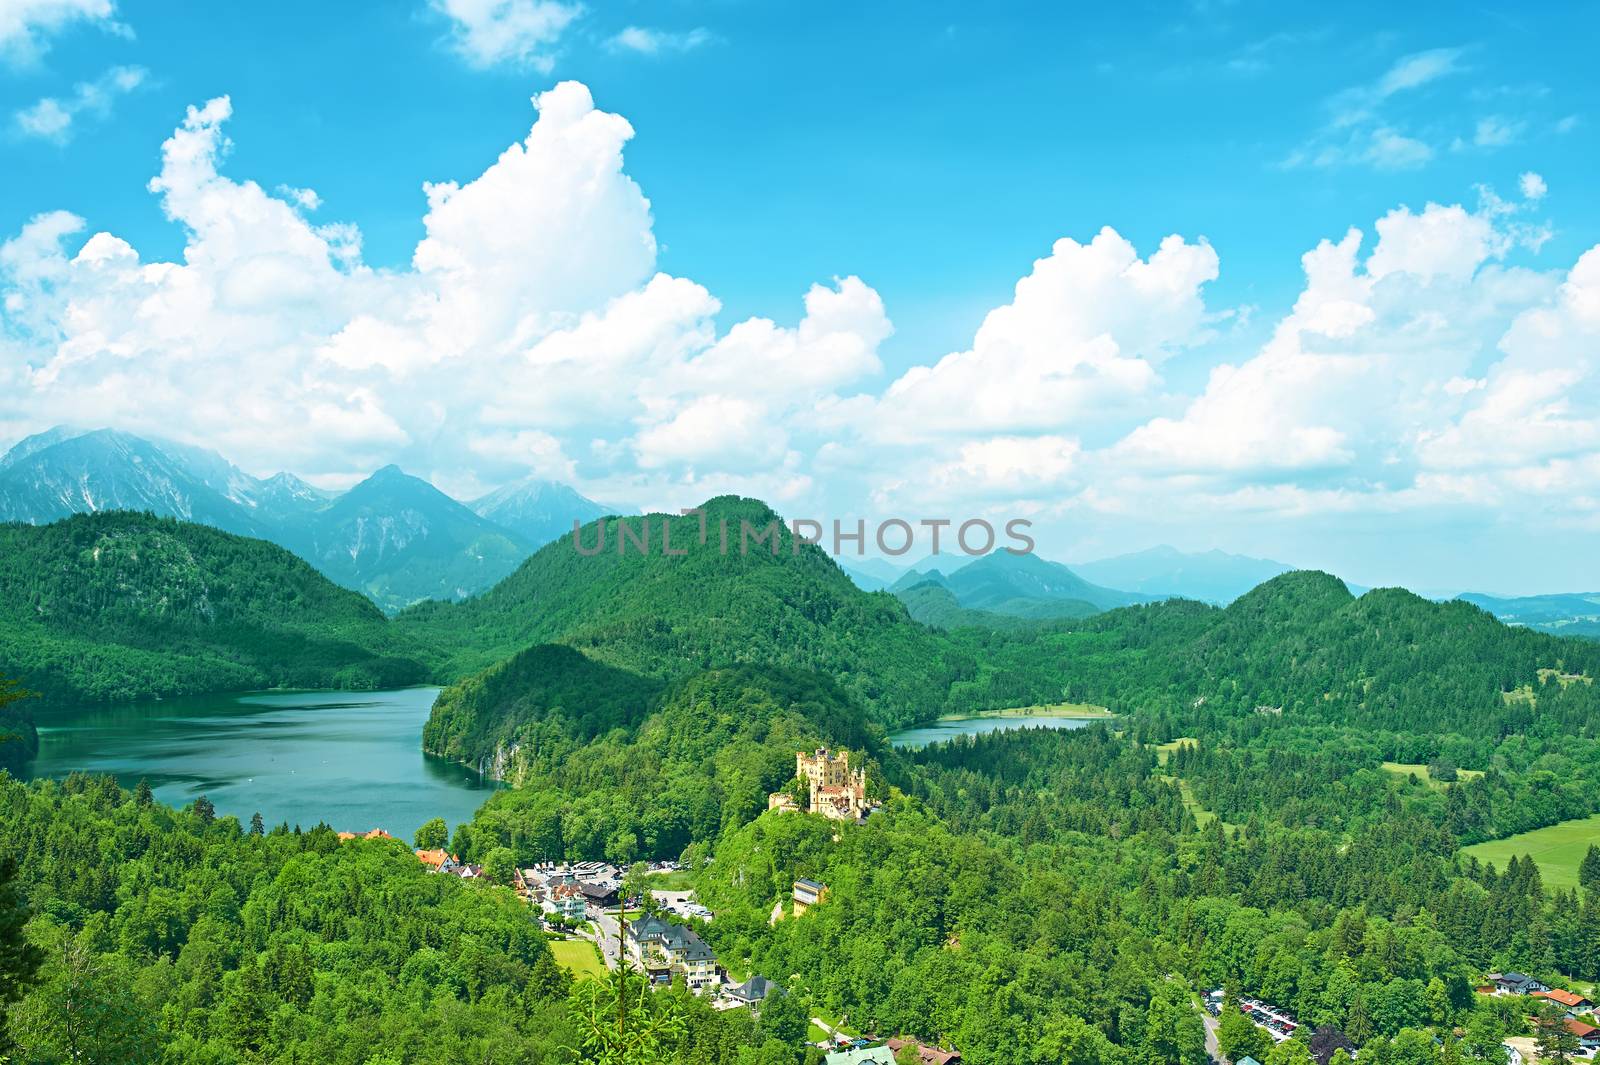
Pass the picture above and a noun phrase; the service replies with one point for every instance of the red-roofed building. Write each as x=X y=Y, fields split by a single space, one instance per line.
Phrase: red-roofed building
x=1572 y=1003
x=434 y=859
x=1588 y=1035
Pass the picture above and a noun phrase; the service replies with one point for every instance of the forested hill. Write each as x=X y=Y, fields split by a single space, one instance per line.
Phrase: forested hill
x=118 y=605
x=1301 y=646
x=699 y=758
x=668 y=617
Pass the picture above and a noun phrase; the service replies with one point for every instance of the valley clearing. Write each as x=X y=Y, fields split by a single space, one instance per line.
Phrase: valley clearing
x=1556 y=850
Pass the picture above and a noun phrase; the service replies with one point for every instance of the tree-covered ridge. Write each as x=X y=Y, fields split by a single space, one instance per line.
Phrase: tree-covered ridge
x=118 y=605
x=669 y=617
x=1301 y=646
x=481 y=719
x=702 y=760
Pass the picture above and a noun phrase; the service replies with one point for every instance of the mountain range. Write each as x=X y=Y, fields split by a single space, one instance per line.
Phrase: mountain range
x=1165 y=572
x=394 y=537
x=1020 y=586
x=1157 y=573
x=1570 y=614
x=399 y=540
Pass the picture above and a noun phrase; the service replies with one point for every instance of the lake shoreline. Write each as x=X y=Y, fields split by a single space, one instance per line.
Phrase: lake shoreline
x=1069 y=711
x=952 y=726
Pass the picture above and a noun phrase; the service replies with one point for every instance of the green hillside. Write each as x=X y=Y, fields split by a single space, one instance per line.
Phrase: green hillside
x=698 y=759
x=1301 y=646
x=669 y=617
x=487 y=713
x=116 y=606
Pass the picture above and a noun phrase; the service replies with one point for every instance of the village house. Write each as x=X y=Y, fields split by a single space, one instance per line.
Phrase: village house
x=1588 y=1035
x=926 y=1054
x=600 y=893
x=438 y=859
x=1574 y=1004
x=808 y=893
x=751 y=993
x=661 y=946
x=1515 y=984
x=565 y=900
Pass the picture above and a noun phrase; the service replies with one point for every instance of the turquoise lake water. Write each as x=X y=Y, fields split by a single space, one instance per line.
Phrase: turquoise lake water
x=981 y=723
x=351 y=759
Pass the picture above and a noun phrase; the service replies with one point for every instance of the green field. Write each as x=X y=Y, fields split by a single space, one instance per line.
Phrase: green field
x=674 y=881
x=578 y=955
x=1401 y=769
x=1163 y=750
x=1556 y=850
x=1072 y=710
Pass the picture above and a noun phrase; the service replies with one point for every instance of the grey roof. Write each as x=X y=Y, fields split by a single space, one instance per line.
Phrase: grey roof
x=674 y=937
x=753 y=990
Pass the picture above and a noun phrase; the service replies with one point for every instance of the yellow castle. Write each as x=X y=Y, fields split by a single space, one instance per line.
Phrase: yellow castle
x=837 y=791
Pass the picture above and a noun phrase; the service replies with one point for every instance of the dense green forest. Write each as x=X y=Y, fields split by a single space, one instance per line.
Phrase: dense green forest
x=117 y=606
x=1034 y=896
x=159 y=935
x=703 y=761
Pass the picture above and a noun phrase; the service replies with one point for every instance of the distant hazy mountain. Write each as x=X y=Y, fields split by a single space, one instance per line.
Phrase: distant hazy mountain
x=1210 y=576
x=1023 y=586
x=61 y=472
x=538 y=511
x=1568 y=614
x=399 y=539
x=932 y=603
x=394 y=537
x=283 y=497
x=871 y=574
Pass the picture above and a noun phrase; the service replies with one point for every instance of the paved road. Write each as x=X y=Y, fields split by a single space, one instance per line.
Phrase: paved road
x=606 y=925
x=1212 y=1047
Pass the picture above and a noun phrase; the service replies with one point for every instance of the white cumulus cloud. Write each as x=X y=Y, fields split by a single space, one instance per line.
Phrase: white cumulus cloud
x=646 y=41
x=52 y=118
x=26 y=26
x=488 y=33
x=1428 y=362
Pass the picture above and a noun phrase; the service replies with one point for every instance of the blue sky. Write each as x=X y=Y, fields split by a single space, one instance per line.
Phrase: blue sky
x=932 y=151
